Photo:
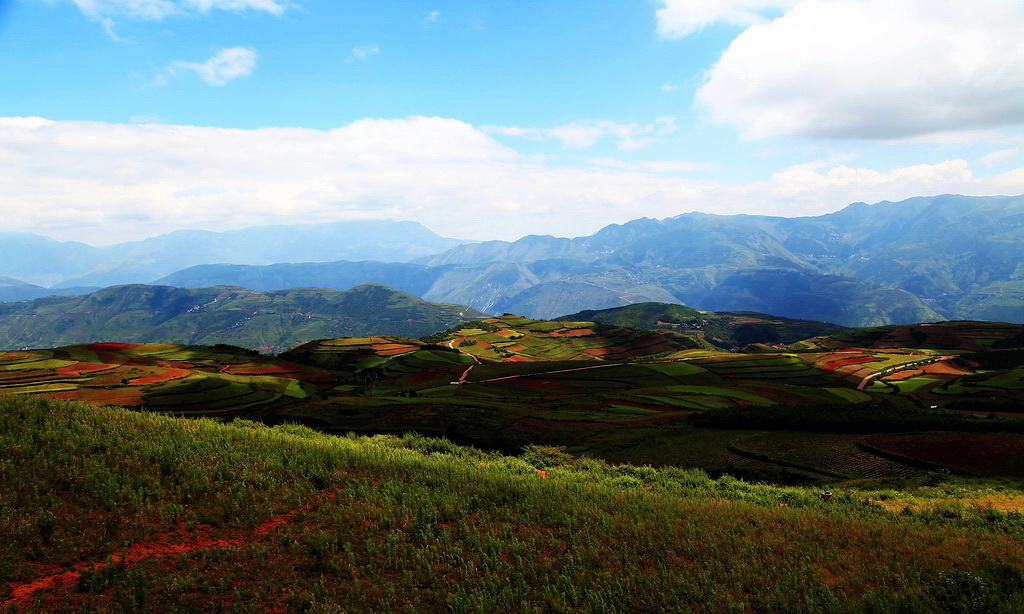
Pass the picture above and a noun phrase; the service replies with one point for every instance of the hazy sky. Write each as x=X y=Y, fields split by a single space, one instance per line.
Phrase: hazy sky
x=121 y=119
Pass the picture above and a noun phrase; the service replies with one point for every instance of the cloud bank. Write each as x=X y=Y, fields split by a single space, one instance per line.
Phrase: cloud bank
x=861 y=69
x=106 y=183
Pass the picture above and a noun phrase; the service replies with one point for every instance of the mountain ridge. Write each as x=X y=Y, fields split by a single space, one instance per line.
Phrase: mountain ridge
x=267 y=321
x=41 y=260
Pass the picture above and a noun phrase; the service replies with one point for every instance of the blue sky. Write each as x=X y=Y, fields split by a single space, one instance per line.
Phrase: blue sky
x=128 y=118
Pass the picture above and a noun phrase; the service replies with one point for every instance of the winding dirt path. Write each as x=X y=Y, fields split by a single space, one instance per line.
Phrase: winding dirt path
x=167 y=544
x=917 y=364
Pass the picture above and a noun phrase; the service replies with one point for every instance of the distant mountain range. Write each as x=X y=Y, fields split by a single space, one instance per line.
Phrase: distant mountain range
x=266 y=321
x=919 y=260
x=40 y=260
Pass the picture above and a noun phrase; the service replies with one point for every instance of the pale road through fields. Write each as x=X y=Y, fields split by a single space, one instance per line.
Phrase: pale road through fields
x=903 y=367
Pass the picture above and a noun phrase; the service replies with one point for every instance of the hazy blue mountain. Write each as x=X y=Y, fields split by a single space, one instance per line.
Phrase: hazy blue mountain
x=921 y=259
x=835 y=298
x=44 y=261
x=16 y=290
x=339 y=275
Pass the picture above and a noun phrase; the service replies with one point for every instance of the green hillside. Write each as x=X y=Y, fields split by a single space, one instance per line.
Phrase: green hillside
x=723 y=329
x=266 y=321
x=961 y=336
x=173 y=515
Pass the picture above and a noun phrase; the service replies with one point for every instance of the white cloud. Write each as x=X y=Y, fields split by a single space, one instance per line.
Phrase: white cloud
x=359 y=54
x=656 y=166
x=433 y=15
x=107 y=183
x=676 y=166
x=104 y=10
x=870 y=69
x=999 y=156
x=226 y=65
x=797 y=183
x=678 y=18
x=584 y=134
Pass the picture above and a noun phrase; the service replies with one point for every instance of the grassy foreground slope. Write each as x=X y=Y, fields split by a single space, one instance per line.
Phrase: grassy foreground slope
x=140 y=512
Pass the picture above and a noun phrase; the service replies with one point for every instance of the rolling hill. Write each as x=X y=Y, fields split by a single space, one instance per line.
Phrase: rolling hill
x=267 y=321
x=723 y=329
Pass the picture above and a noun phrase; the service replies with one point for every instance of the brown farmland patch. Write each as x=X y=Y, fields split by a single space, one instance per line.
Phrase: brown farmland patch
x=572 y=332
x=990 y=454
x=396 y=351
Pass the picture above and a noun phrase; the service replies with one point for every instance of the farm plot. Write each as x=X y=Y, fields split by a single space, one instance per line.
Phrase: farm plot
x=986 y=454
x=787 y=367
x=833 y=454
x=209 y=395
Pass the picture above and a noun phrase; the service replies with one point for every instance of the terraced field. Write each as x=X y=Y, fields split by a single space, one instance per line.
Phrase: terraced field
x=181 y=379
x=965 y=336
x=833 y=454
x=986 y=454
x=620 y=393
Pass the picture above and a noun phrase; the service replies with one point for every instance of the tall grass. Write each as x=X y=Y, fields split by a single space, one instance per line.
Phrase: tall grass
x=411 y=524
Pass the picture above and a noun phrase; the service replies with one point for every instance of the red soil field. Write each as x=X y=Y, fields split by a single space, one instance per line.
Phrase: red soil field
x=515 y=359
x=395 y=352
x=605 y=351
x=280 y=367
x=519 y=347
x=835 y=364
x=419 y=377
x=571 y=332
x=82 y=368
x=989 y=454
x=166 y=376
x=391 y=346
